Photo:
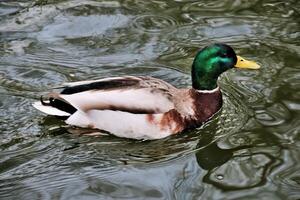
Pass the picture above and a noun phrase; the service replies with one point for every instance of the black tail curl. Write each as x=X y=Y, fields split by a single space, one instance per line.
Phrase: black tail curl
x=59 y=104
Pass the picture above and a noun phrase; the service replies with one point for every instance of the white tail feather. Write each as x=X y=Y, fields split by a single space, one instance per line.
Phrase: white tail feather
x=49 y=110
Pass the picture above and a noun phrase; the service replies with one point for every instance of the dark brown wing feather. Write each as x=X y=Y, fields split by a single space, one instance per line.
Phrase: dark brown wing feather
x=102 y=85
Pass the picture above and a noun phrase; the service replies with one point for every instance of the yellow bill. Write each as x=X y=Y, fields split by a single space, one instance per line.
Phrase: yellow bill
x=246 y=64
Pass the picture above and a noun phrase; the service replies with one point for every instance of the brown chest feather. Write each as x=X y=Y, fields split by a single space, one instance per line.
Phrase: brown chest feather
x=205 y=105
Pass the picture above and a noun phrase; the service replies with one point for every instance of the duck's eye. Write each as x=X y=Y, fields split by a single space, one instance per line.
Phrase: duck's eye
x=224 y=55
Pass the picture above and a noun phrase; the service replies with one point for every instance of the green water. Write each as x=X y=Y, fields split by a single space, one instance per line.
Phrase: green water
x=250 y=150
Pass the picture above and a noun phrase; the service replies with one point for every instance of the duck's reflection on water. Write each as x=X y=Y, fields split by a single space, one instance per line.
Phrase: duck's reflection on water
x=189 y=174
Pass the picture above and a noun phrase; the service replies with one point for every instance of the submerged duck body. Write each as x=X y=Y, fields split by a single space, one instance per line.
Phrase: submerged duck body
x=146 y=107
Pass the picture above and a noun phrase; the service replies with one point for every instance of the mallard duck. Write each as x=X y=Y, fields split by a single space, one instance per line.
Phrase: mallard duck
x=141 y=107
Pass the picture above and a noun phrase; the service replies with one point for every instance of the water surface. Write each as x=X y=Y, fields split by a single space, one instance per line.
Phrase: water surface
x=250 y=150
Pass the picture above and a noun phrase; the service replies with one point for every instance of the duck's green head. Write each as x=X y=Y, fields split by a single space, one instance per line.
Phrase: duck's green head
x=212 y=61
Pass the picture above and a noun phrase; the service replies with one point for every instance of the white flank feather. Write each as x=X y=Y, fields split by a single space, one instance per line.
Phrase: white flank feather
x=80 y=119
x=49 y=110
x=121 y=124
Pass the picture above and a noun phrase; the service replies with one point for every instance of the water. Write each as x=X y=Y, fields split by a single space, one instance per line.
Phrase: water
x=250 y=150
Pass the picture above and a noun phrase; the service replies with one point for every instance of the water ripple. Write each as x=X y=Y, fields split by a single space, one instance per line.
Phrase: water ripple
x=153 y=23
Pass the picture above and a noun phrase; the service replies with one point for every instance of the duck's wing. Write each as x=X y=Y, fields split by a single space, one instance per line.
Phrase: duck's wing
x=143 y=95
